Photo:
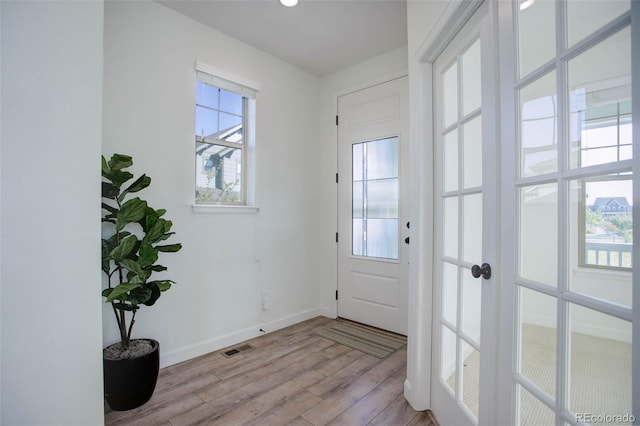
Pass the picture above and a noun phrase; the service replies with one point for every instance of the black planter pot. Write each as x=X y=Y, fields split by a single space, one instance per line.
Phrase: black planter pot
x=129 y=383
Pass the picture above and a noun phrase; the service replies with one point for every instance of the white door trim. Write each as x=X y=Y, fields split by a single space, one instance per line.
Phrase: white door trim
x=417 y=388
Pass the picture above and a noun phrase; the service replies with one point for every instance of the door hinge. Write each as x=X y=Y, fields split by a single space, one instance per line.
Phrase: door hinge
x=336 y=178
x=336 y=294
x=336 y=237
x=336 y=120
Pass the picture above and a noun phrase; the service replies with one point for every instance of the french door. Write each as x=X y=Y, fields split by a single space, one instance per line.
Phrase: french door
x=535 y=176
x=465 y=225
x=567 y=191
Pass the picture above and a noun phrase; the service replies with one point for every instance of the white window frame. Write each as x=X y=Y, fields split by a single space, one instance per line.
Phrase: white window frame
x=248 y=89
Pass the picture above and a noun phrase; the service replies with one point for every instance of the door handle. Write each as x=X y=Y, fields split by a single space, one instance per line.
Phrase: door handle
x=406 y=240
x=484 y=271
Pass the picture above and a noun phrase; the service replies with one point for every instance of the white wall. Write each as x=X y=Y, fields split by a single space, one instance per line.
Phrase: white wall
x=51 y=117
x=227 y=259
x=422 y=17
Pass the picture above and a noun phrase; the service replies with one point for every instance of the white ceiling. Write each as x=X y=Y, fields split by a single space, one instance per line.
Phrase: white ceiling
x=320 y=36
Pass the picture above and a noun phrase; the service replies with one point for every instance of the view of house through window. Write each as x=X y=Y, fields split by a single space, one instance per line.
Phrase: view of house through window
x=221 y=127
x=601 y=133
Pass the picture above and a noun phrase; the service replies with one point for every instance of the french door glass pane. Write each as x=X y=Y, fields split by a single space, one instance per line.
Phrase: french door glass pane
x=450 y=98
x=450 y=293
x=375 y=199
x=472 y=155
x=471 y=306
x=532 y=411
x=538 y=127
x=584 y=16
x=539 y=233
x=472 y=228
x=600 y=363
x=536 y=33
x=448 y=357
x=600 y=102
x=470 y=377
x=601 y=243
x=538 y=313
x=450 y=229
x=450 y=168
x=471 y=78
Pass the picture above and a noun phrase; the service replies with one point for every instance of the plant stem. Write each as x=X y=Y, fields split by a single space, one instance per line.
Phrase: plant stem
x=122 y=324
x=133 y=320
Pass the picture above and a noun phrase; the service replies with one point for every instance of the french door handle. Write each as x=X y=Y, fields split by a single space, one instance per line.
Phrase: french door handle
x=484 y=271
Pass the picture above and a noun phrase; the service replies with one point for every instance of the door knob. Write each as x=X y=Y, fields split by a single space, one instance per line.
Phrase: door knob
x=484 y=271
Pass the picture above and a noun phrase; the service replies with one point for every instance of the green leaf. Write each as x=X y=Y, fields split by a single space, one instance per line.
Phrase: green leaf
x=155 y=295
x=125 y=248
x=139 y=295
x=119 y=161
x=131 y=211
x=154 y=234
x=150 y=219
x=118 y=177
x=106 y=292
x=120 y=291
x=109 y=191
x=169 y=248
x=141 y=183
x=133 y=266
x=147 y=255
x=157 y=268
x=163 y=285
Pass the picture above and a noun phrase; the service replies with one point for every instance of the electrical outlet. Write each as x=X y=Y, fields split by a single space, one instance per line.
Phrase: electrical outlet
x=264 y=297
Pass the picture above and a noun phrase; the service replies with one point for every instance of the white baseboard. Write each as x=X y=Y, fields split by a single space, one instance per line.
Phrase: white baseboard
x=192 y=351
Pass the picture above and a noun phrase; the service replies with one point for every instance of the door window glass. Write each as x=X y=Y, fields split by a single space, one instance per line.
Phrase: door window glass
x=375 y=198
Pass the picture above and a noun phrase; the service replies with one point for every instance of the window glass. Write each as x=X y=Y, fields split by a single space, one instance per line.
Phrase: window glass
x=600 y=101
x=220 y=154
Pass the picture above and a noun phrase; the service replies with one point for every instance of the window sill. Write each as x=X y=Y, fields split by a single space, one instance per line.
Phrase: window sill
x=222 y=209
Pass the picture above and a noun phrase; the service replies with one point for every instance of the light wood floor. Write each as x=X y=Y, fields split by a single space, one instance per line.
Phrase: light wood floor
x=288 y=377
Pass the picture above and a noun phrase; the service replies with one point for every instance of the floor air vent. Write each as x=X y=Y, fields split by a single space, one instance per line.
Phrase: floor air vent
x=236 y=351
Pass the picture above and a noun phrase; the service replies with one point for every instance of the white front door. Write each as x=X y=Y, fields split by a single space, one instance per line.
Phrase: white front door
x=372 y=219
x=465 y=207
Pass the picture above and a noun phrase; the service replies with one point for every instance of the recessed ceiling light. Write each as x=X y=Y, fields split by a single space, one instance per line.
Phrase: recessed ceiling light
x=288 y=3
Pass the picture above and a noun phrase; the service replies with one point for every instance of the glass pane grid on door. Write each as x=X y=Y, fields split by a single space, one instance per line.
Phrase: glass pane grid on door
x=573 y=271
x=460 y=240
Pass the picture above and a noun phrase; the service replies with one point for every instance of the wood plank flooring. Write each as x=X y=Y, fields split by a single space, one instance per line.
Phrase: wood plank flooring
x=288 y=377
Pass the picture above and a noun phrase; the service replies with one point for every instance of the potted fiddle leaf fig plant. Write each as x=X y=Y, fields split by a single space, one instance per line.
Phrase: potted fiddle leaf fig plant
x=134 y=235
